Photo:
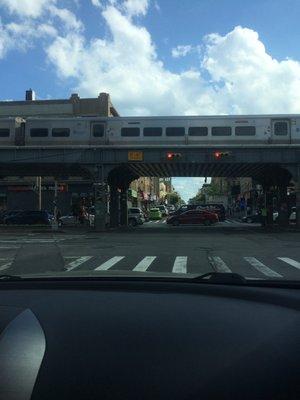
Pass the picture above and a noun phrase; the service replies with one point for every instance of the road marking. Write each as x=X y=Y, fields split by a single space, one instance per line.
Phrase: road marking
x=144 y=264
x=5 y=266
x=219 y=264
x=290 y=261
x=179 y=266
x=262 y=267
x=77 y=262
x=109 y=263
x=157 y=222
x=9 y=247
x=164 y=221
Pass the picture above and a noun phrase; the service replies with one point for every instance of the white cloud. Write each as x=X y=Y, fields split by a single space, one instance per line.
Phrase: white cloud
x=67 y=17
x=187 y=187
x=27 y=8
x=96 y=3
x=136 y=7
x=181 y=50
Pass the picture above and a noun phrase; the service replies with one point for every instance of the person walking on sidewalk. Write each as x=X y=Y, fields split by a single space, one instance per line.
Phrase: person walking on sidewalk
x=264 y=216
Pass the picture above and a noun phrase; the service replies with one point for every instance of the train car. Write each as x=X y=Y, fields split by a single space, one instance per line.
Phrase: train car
x=151 y=131
x=76 y=131
x=12 y=131
x=206 y=130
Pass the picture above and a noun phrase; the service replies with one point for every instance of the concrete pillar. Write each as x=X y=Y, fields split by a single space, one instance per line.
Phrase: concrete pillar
x=114 y=206
x=297 y=191
x=283 y=215
x=100 y=206
x=123 y=207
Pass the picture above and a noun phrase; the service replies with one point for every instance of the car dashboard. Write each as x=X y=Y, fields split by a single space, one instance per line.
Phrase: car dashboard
x=141 y=339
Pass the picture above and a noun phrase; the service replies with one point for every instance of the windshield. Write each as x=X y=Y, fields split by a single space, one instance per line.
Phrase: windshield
x=131 y=148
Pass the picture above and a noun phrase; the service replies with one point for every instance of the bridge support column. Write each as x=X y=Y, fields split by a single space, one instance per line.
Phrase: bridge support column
x=297 y=191
x=283 y=216
x=101 y=216
x=124 y=207
x=114 y=206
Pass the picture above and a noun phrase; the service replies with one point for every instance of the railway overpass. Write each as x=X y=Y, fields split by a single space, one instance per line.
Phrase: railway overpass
x=117 y=166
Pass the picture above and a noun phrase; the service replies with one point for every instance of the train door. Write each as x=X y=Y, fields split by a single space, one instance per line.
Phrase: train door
x=98 y=132
x=20 y=134
x=281 y=131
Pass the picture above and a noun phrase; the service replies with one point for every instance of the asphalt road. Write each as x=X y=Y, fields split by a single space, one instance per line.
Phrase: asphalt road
x=229 y=246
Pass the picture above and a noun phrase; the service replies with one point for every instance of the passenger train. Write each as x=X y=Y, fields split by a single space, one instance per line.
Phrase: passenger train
x=151 y=131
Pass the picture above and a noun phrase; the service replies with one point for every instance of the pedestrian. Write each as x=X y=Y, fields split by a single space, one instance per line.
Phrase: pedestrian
x=264 y=216
x=58 y=215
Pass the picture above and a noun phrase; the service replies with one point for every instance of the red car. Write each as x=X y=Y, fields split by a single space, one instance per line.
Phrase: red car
x=193 y=217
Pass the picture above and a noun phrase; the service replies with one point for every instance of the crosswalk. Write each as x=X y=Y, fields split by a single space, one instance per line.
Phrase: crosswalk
x=248 y=266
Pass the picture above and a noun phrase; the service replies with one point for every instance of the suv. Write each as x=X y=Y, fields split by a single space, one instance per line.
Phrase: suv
x=135 y=216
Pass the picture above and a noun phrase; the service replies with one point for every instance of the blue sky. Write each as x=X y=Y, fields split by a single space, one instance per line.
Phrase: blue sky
x=155 y=57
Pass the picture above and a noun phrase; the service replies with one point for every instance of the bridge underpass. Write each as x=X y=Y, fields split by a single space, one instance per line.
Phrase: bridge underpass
x=117 y=167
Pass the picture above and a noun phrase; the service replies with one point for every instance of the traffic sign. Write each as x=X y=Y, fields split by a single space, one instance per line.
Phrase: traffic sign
x=135 y=156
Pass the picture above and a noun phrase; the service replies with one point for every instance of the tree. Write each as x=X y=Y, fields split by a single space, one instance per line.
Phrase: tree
x=173 y=198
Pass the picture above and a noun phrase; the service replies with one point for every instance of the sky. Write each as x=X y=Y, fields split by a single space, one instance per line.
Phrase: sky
x=155 y=57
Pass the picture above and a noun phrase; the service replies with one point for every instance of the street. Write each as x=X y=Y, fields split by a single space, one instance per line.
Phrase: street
x=229 y=246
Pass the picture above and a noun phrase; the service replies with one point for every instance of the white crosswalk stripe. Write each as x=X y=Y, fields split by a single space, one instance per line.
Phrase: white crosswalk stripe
x=157 y=222
x=77 y=262
x=109 y=263
x=262 y=267
x=290 y=261
x=219 y=264
x=164 y=221
x=179 y=266
x=144 y=264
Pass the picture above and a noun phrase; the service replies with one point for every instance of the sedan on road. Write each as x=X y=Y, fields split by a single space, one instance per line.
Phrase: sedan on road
x=193 y=217
x=29 y=218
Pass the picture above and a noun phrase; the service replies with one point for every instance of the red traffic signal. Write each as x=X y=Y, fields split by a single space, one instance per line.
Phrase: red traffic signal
x=173 y=156
x=220 y=154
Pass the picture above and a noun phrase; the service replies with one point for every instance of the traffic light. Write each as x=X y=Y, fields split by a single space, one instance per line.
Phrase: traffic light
x=218 y=155
x=173 y=156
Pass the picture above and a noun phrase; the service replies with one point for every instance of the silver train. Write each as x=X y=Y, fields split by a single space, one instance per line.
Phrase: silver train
x=151 y=131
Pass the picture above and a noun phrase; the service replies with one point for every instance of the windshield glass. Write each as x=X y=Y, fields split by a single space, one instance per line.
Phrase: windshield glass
x=132 y=148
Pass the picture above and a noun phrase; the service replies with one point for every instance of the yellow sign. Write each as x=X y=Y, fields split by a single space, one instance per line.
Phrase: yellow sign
x=135 y=156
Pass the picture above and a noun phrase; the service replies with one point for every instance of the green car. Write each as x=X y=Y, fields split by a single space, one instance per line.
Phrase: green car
x=155 y=213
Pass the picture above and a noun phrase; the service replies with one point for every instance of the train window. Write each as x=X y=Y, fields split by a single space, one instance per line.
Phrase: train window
x=152 y=131
x=39 y=132
x=245 y=131
x=280 y=128
x=198 y=131
x=60 y=132
x=221 y=131
x=98 y=130
x=4 y=132
x=130 y=132
x=175 y=131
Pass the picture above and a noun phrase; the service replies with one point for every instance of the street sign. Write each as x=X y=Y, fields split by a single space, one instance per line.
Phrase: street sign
x=135 y=156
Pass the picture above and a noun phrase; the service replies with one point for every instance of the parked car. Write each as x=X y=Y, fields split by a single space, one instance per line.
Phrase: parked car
x=28 y=218
x=254 y=218
x=8 y=213
x=68 y=220
x=135 y=216
x=155 y=214
x=292 y=217
x=163 y=209
x=193 y=217
x=171 y=207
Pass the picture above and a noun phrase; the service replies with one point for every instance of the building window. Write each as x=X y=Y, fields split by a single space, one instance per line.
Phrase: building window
x=198 y=131
x=175 y=131
x=221 y=131
x=245 y=131
x=4 y=132
x=130 y=132
x=281 y=128
x=152 y=132
x=39 y=132
x=60 y=132
x=98 y=130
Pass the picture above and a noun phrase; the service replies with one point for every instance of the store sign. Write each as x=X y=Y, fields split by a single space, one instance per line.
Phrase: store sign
x=135 y=156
